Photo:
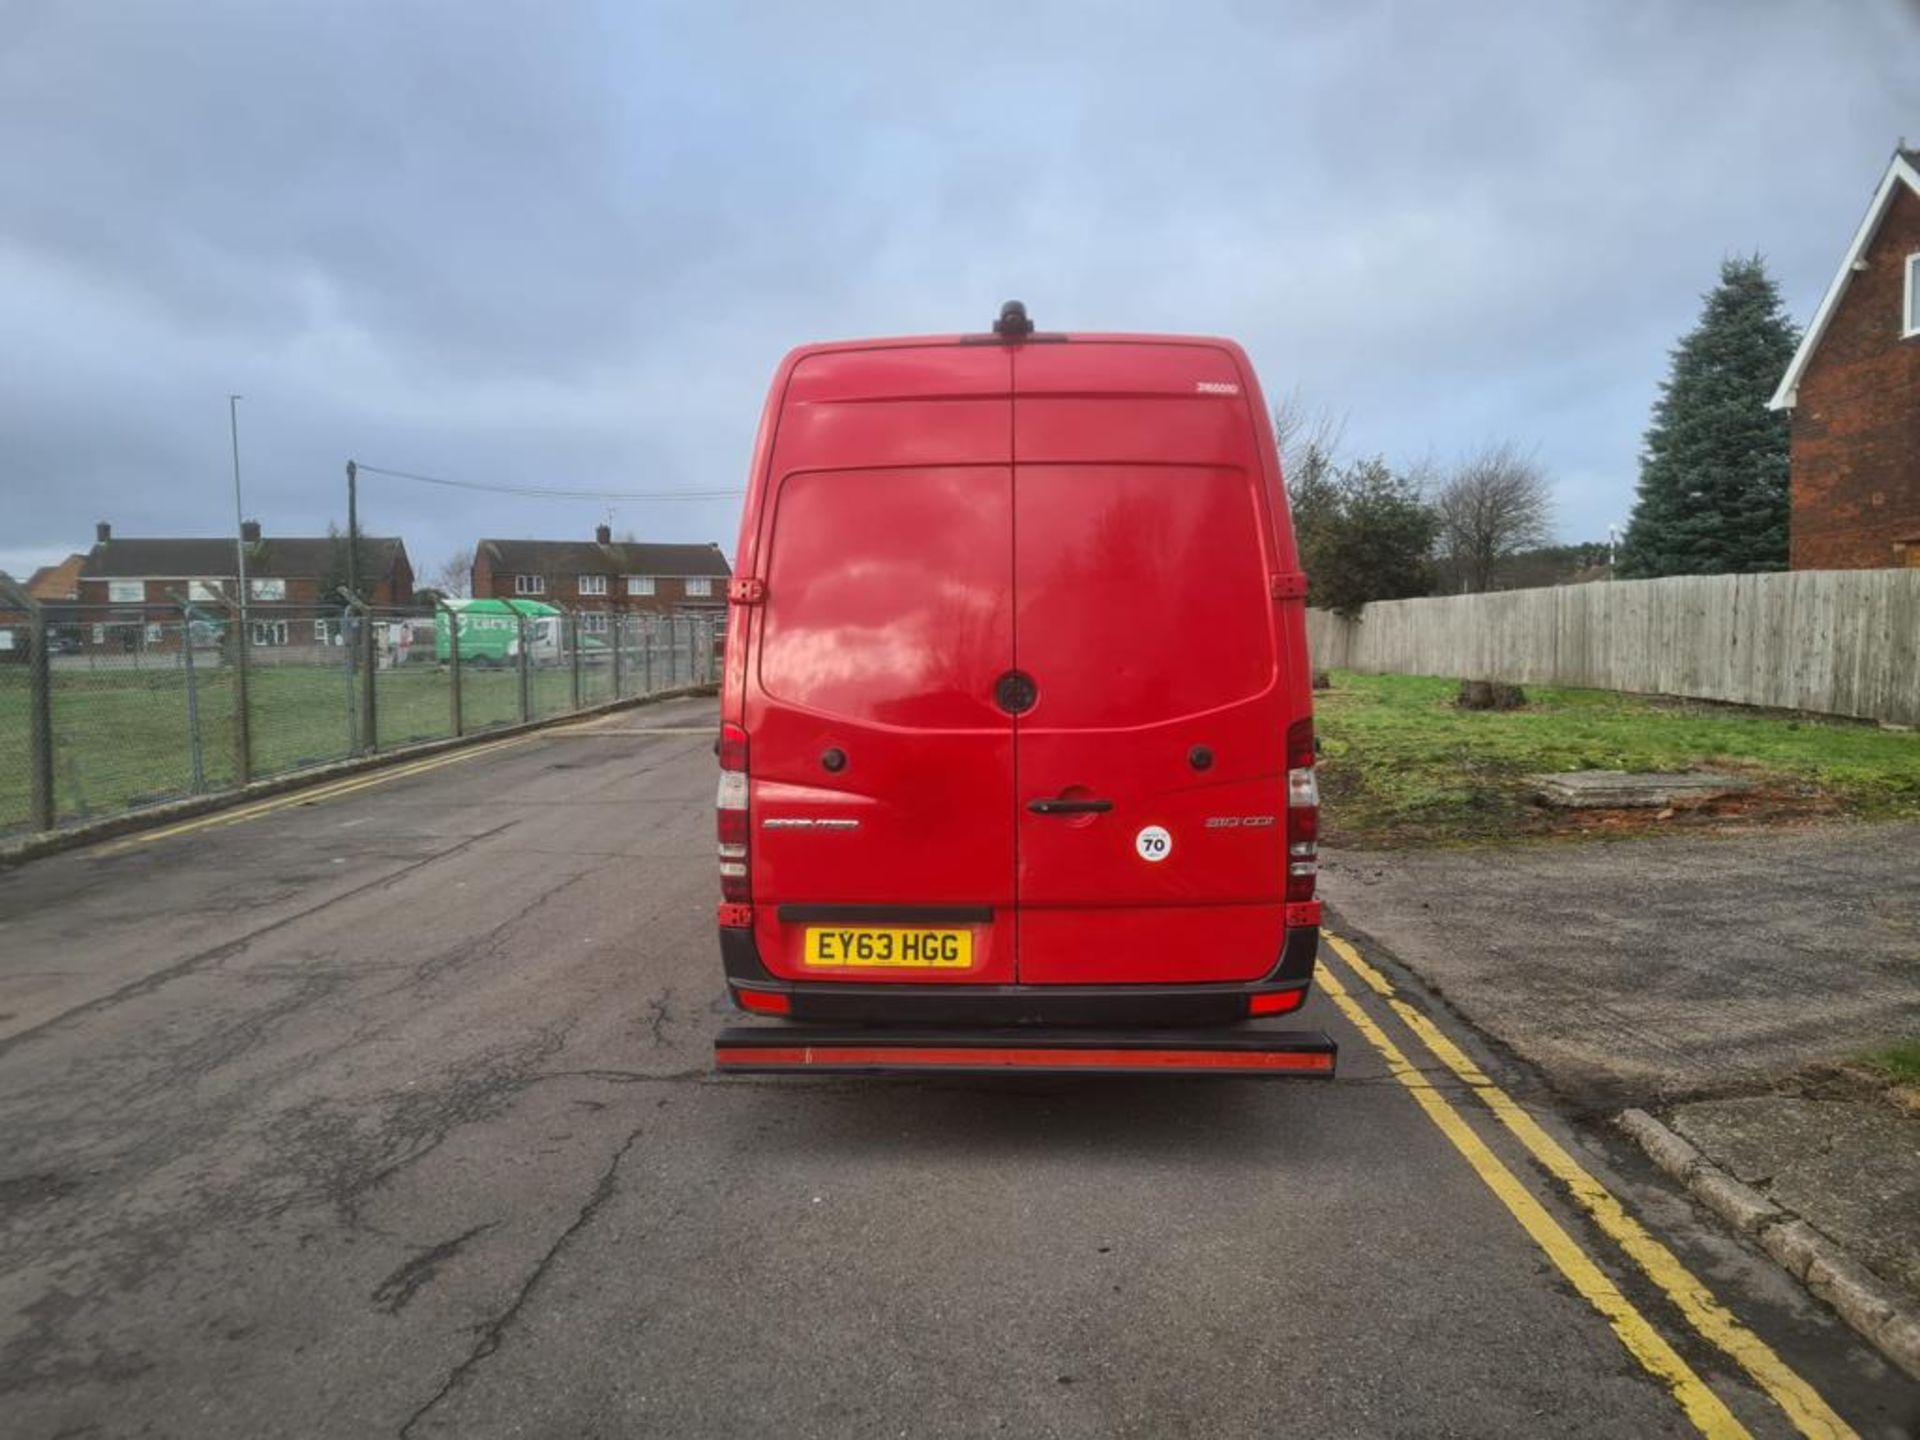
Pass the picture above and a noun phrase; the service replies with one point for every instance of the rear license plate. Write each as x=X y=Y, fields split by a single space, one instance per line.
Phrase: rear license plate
x=871 y=947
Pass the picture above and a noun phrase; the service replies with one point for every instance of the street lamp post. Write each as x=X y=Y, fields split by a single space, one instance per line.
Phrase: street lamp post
x=353 y=527
x=242 y=741
x=239 y=508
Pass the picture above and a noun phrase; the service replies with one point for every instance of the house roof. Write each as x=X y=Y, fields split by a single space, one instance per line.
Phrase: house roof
x=584 y=557
x=1902 y=169
x=313 y=555
x=136 y=558
x=57 y=582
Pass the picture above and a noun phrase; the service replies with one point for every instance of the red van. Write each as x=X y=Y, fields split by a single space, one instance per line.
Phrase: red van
x=1017 y=758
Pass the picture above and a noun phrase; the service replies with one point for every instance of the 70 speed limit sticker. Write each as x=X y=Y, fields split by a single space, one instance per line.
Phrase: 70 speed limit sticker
x=1153 y=844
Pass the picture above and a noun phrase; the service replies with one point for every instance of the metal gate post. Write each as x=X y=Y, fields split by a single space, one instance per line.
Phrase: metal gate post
x=242 y=710
x=361 y=652
x=526 y=684
x=649 y=658
x=619 y=634
x=193 y=694
x=571 y=619
x=40 y=726
x=369 y=700
x=453 y=665
x=349 y=653
x=39 y=705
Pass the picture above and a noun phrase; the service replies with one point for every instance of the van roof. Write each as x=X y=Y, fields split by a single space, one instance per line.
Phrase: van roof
x=1039 y=338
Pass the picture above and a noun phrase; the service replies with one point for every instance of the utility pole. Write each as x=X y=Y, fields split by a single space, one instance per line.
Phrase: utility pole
x=353 y=527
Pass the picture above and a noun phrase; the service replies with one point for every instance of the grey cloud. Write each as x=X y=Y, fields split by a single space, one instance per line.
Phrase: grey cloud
x=533 y=241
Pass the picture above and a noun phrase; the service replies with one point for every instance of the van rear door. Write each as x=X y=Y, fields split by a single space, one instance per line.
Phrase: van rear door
x=1150 y=766
x=881 y=769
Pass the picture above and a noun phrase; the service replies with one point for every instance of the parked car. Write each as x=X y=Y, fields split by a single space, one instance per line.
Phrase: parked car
x=1017 y=722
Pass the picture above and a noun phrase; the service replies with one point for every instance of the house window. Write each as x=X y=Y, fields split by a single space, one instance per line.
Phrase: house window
x=269 y=632
x=1912 y=325
x=639 y=585
x=267 y=589
x=155 y=634
x=593 y=623
x=99 y=634
x=593 y=584
x=205 y=591
x=126 y=592
x=699 y=585
x=529 y=585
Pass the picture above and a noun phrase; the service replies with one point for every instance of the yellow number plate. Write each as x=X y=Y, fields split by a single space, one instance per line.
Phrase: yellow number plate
x=867 y=947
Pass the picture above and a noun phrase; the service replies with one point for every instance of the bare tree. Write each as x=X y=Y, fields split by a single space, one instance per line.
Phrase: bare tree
x=454 y=577
x=1495 y=504
x=1308 y=434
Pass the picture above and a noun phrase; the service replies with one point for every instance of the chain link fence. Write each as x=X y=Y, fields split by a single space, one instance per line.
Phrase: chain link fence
x=107 y=711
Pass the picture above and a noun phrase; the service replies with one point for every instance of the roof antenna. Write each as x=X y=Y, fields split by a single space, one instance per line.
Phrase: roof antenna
x=1013 y=323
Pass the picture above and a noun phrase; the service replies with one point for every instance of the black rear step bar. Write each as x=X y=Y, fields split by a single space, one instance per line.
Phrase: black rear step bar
x=1023 y=1050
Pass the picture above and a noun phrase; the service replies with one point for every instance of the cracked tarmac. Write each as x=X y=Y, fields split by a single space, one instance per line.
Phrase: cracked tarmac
x=393 y=1115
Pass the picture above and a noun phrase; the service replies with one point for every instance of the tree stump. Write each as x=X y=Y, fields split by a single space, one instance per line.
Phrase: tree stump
x=1490 y=695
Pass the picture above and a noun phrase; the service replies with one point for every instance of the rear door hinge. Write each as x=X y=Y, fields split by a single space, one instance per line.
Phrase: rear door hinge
x=746 y=590
x=1290 y=586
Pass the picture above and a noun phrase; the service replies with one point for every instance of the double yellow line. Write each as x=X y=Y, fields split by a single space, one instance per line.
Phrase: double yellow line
x=1707 y=1316
x=314 y=794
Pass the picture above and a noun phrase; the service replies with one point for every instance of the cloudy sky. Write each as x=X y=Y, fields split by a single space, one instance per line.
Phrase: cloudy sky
x=565 y=244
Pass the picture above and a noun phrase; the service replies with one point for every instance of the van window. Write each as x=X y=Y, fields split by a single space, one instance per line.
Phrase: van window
x=887 y=594
x=1142 y=591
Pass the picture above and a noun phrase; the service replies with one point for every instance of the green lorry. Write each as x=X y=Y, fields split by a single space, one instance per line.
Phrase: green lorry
x=490 y=632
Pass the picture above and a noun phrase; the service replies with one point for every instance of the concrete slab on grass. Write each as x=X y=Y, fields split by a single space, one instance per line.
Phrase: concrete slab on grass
x=1624 y=790
x=1660 y=969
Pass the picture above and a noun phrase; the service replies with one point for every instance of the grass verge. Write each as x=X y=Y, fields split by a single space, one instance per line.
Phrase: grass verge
x=125 y=738
x=1402 y=765
x=1899 y=1063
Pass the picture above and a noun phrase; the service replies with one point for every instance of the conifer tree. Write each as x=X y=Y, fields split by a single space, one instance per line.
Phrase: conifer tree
x=1713 y=476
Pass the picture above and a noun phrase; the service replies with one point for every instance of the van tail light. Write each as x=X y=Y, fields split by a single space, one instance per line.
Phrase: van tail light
x=1303 y=812
x=765 y=1002
x=1276 y=1002
x=730 y=815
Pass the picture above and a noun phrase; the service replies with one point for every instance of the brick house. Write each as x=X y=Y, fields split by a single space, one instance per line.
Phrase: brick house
x=1853 y=391
x=57 y=588
x=604 y=577
x=57 y=584
x=126 y=586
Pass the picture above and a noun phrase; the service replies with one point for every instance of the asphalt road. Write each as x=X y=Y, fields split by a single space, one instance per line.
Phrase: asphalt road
x=390 y=1112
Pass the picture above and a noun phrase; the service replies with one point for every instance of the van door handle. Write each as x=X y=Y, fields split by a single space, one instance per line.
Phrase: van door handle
x=1069 y=807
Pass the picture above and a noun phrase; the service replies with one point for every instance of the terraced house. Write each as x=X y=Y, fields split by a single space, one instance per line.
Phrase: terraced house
x=127 y=587
x=604 y=577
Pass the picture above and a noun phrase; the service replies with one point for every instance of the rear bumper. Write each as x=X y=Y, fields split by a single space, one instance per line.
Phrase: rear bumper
x=836 y=1002
x=1268 y=1054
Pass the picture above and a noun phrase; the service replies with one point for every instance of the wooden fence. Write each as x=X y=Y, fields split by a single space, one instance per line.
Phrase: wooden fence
x=1836 y=642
